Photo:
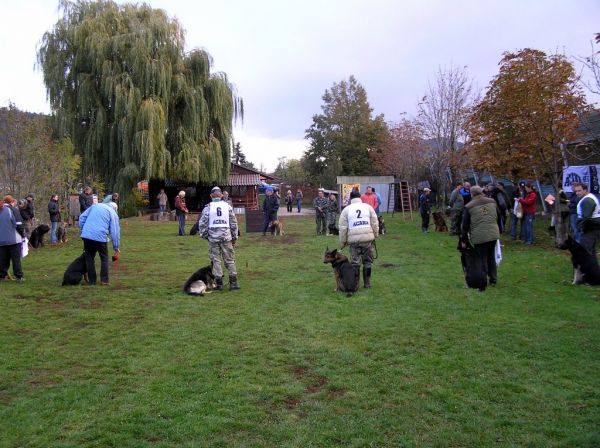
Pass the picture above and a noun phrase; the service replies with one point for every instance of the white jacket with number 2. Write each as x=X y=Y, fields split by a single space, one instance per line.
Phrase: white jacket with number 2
x=358 y=223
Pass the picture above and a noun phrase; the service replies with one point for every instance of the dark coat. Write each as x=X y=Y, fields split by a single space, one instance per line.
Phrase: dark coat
x=85 y=202
x=54 y=211
x=270 y=205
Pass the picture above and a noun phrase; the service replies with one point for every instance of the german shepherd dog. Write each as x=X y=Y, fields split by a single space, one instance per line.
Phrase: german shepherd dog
x=346 y=278
x=277 y=228
x=200 y=282
x=37 y=236
x=440 y=222
x=381 y=221
x=475 y=275
x=75 y=272
x=333 y=230
x=61 y=232
x=585 y=265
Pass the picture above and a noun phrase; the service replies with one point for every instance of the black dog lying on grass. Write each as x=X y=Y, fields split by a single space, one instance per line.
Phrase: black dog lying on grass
x=585 y=264
x=346 y=278
x=475 y=275
x=37 y=236
x=75 y=272
x=200 y=282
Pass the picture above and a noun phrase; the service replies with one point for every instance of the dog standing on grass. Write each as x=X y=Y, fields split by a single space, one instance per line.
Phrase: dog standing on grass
x=346 y=279
x=276 y=227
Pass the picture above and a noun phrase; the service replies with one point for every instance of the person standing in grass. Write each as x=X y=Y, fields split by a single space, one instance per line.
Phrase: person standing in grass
x=456 y=204
x=358 y=228
x=481 y=228
x=424 y=209
x=321 y=204
x=270 y=208
x=12 y=232
x=162 y=200
x=588 y=218
x=180 y=211
x=332 y=212
x=528 y=204
x=219 y=226
x=55 y=219
x=97 y=223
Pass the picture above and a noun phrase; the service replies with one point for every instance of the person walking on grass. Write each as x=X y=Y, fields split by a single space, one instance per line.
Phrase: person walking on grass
x=97 y=223
x=358 y=228
x=270 y=208
x=180 y=211
x=480 y=227
x=588 y=218
x=321 y=204
x=528 y=204
x=55 y=219
x=424 y=209
x=219 y=226
x=12 y=232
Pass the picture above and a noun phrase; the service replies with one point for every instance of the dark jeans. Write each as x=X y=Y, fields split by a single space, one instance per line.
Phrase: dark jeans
x=181 y=219
x=528 y=226
x=299 y=204
x=574 y=230
x=487 y=255
x=289 y=207
x=10 y=253
x=90 y=247
x=425 y=221
x=267 y=220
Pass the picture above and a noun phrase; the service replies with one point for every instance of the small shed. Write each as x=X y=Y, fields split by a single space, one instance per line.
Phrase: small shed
x=383 y=185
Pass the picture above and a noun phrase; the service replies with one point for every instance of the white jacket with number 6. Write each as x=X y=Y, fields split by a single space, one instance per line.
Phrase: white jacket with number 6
x=358 y=223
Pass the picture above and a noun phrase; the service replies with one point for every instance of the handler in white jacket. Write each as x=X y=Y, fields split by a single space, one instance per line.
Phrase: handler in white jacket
x=359 y=228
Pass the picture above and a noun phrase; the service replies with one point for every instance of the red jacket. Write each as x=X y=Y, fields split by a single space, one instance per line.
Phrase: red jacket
x=528 y=203
x=370 y=199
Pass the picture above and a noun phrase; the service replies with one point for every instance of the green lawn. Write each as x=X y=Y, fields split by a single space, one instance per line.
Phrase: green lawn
x=416 y=361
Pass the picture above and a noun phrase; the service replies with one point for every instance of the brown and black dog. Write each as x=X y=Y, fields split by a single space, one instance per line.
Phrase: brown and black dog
x=346 y=278
x=277 y=228
x=440 y=222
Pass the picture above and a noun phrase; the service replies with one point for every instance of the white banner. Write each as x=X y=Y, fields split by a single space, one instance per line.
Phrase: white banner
x=586 y=174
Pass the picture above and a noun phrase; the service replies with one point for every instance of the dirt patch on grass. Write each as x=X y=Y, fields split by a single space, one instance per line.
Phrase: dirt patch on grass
x=291 y=402
x=336 y=393
x=388 y=265
x=285 y=239
x=313 y=381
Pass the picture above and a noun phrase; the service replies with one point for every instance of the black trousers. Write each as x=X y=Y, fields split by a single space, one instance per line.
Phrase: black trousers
x=425 y=221
x=487 y=256
x=8 y=254
x=267 y=220
x=90 y=247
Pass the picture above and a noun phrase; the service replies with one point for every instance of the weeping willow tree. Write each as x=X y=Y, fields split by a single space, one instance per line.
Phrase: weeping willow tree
x=134 y=103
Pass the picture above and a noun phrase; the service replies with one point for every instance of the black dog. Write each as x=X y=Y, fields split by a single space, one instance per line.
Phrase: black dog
x=75 y=272
x=37 y=236
x=475 y=275
x=382 y=230
x=346 y=278
x=333 y=230
x=201 y=281
x=585 y=265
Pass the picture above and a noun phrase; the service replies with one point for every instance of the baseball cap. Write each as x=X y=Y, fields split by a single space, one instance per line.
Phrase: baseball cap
x=215 y=190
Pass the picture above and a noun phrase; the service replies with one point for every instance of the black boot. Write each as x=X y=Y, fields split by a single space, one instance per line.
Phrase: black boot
x=233 y=282
x=367 y=277
x=219 y=286
x=357 y=273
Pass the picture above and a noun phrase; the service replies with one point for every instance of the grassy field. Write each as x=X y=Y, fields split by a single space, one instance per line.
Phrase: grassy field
x=285 y=362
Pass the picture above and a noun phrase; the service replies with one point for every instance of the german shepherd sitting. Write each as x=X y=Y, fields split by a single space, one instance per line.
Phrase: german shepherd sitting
x=475 y=275
x=440 y=222
x=277 y=228
x=37 y=236
x=200 y=282
x=61 y=232
x=75 y=272
x=381 y=221
x=585 y=265
x=346 y=278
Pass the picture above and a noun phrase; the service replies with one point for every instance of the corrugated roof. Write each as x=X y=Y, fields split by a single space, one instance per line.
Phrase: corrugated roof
x=236 y=179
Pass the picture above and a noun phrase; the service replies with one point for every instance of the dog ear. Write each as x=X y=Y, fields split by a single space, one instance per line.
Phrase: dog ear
x=333 y=252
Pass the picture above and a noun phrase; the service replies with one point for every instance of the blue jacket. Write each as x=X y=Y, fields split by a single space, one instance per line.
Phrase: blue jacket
x=11 y=226
x=98 y=221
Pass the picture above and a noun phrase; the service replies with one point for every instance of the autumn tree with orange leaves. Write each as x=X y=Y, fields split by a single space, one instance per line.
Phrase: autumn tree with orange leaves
x=529 y=111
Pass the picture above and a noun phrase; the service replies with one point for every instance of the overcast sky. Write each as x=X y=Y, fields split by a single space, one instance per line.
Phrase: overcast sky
x=282 y=55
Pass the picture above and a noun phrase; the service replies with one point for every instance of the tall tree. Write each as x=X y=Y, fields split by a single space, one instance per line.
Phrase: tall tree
x=443 y=112
x=238 y=157
x=133 y=102
x=343 y=135
x=529 y=111
x=403 y=152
